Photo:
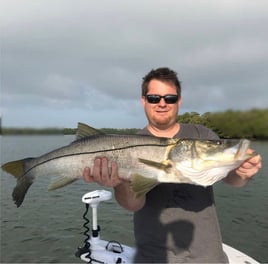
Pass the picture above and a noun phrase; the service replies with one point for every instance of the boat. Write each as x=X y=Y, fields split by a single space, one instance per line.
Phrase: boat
x=97 y=250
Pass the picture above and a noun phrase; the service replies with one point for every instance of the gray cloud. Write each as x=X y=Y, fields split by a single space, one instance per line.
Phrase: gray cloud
x=86 y=59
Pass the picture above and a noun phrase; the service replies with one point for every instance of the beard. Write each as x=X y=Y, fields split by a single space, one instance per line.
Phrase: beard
x=162 y=121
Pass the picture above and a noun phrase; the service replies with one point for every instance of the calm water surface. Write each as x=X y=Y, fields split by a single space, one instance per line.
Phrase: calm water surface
x=48 y=226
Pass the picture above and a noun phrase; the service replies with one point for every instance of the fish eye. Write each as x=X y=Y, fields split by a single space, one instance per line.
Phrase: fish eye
x=218 y=143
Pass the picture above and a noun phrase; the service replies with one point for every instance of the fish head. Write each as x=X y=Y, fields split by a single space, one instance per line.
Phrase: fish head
x=221 y=152
x=202 y=155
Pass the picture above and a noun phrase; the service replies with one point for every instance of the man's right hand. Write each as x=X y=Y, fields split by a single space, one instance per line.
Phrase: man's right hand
x=102 y=173
x=108 y=177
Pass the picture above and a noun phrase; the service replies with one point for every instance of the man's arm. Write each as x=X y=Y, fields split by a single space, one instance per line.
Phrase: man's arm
x=249 y=168
x=122 y=189
x=126 y=198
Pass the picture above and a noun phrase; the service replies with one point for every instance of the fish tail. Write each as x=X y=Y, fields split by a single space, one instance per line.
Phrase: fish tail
x=17 y=169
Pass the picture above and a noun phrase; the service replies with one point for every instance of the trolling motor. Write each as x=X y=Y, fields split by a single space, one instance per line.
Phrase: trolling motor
x=96 y=250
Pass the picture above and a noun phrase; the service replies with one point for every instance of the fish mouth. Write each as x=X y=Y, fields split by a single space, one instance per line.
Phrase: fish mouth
x=242 y=148
x=238 y=150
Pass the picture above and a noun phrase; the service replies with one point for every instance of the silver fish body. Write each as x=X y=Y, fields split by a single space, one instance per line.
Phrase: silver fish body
x=143 y=160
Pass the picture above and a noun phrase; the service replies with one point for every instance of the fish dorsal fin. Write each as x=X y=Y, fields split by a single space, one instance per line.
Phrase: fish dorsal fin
x=141 y=185
x=164 y=165
x=84 y=130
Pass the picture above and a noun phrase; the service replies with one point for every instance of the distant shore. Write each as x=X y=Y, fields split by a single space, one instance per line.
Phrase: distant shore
x=251 y=124
x=38 y=131
x=61 y=131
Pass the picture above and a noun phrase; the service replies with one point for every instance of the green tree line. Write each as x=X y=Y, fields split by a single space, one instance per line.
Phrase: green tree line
x=252 y=124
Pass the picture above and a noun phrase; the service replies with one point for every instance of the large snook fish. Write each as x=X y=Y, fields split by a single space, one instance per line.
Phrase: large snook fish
x=143 y=160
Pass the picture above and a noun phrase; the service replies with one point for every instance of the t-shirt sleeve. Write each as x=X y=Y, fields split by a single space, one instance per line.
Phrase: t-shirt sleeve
x=208 y=133
x=197 y=131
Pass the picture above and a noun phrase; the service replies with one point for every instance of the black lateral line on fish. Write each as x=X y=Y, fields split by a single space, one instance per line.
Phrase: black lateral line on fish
x=97 y=151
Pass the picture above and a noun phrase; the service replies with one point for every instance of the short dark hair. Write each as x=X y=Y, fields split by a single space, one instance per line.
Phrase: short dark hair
x=161 y=74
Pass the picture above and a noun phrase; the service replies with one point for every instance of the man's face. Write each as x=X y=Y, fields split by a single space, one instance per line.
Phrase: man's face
x=161 y=114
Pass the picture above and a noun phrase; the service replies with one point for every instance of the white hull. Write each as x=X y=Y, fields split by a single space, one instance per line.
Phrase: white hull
x=116 y=253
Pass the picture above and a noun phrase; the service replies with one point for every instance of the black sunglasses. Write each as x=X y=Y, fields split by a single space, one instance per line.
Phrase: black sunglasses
x=155 y=98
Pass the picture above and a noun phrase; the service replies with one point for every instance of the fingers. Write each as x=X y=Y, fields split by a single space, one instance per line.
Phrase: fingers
x=250 y=167
x=255 y=161
x=114 y=172
x=102 y=173
x=97 y=170
x=86 y=175
x=103 y=170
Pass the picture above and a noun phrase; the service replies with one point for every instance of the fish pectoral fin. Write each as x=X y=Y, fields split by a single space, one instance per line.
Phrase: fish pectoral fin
x=164 y=165
x=140 y=185
x=60 y=182
x=83 y=130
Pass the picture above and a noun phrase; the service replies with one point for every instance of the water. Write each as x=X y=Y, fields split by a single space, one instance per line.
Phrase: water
x=48 y=228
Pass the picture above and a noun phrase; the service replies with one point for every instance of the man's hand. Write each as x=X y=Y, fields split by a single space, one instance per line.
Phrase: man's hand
x=250 y=167
x=102 y=173
x=108 y=177
x=247 y=170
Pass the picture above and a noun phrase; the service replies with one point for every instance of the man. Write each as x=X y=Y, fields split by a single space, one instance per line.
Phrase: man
x=173 y=222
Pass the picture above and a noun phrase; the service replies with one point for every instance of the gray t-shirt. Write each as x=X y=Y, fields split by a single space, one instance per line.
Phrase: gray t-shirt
x=178 y=223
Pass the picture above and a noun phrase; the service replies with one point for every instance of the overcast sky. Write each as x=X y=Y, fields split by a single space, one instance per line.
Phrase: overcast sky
x=83 y=60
